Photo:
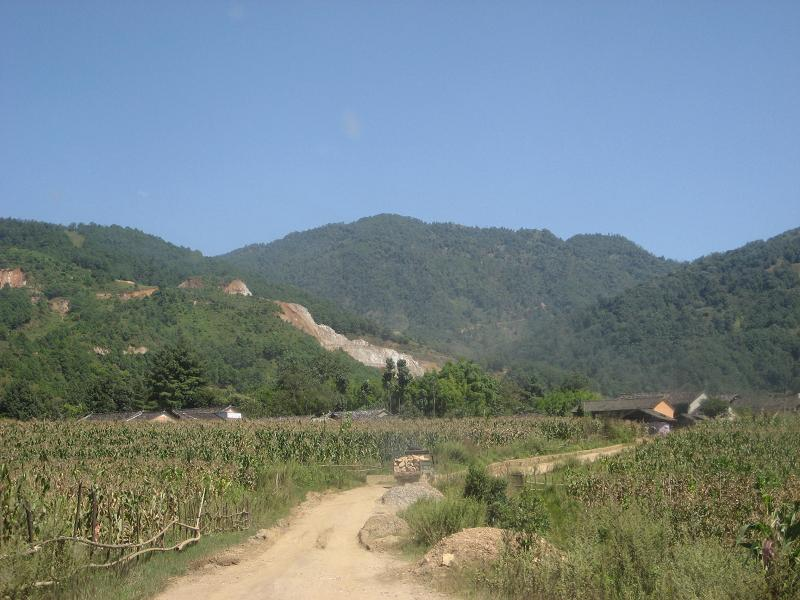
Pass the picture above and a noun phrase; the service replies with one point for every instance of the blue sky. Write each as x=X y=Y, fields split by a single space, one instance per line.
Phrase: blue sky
x=216 y=124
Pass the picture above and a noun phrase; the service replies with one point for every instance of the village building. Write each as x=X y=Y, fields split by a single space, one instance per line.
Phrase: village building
x=141 y=416
x=212 y=413
x=653 y=409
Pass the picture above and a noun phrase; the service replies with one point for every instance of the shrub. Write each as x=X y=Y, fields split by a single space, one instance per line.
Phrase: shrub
x=483 y=487
x=432 y=520
x=489 y=490
x=525 y=515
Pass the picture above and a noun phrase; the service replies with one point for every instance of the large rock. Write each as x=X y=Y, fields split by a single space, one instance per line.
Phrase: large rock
x=383 y=532
x=193 y=283
x=14 y=278
x=59 y=305
x=237 y=287
x=403 y=496
x=141 y=293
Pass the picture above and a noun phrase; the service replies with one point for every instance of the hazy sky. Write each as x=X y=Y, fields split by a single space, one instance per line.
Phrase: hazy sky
x=213 y=125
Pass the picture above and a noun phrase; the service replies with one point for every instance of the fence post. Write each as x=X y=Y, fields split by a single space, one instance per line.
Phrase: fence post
x=77 y=511
x=94 y=515
x=29 y=523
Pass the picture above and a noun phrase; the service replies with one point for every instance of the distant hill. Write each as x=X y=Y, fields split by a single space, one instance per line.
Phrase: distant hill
x=463 y=289
x=728 y=321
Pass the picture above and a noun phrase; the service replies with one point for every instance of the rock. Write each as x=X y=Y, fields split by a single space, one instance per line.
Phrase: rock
x=193 y=283
x=448 y=559
x=136 y=350
x=403 y=496
x=142 y=293
x=103 y=296
x=382 y=532
x=125 y=281
x=237 y=287
x=59 y=305
x=14 y=278
x=100 y=350
x=361 y=350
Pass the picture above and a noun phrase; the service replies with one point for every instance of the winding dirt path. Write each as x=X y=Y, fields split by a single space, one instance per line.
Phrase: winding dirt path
x=548 y=462
x=315 y=556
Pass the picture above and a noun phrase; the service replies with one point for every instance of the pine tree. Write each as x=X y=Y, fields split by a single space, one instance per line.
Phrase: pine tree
x=176 y=378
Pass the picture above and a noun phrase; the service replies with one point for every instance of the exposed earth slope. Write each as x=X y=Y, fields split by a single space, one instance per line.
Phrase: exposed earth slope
x=361 y=350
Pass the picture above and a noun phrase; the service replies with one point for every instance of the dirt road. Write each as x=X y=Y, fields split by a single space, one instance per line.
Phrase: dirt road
x=316 y=556
x=546 y=463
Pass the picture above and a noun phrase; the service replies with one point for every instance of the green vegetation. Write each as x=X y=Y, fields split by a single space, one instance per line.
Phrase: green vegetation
x=726 y=322
x=706 y=512
x=598 y=305
x=432 y=520
x=109 y=354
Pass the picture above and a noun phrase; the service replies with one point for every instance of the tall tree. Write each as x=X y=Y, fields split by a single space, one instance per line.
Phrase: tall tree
x=403 y=379
x=388 y=382
x=176 y=378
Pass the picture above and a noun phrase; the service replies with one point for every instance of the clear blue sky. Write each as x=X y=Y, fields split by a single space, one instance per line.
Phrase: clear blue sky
x=216 y=124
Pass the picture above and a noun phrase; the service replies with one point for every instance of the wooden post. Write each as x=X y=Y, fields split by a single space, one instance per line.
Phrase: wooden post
x=94 y=515
x=29 y=522
x=77 y=511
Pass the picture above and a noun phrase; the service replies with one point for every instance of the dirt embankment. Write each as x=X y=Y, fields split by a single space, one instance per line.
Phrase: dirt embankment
x=361 y=350
x=546 y=463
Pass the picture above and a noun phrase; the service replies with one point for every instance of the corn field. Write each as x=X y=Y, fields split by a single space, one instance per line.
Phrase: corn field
x=710 y=479
x=73 y=494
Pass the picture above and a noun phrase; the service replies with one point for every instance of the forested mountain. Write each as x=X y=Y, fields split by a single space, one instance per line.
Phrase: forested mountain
x=727 y=322
x=554 y=316
x=460 y=288
x=88 y=330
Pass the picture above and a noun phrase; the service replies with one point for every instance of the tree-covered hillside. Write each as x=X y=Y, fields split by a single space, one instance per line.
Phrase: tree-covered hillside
x=70 y=342
x=458 y=287
x=724 y=322
x=109 y=253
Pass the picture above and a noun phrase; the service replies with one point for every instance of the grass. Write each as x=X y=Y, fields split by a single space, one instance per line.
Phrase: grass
x=431 y=520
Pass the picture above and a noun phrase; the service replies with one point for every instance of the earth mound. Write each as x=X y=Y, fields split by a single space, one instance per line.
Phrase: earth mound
x=403 y=496
x=468 y=548
x=382 y=532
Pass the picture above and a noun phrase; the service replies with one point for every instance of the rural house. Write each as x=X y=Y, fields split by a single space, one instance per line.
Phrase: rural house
x=211 y=413
x=654 y=409
x=154 y=416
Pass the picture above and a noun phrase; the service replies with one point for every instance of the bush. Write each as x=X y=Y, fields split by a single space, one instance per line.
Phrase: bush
x=432 y=520
x=483 y=487
x=525 y=515
x=488 y=490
